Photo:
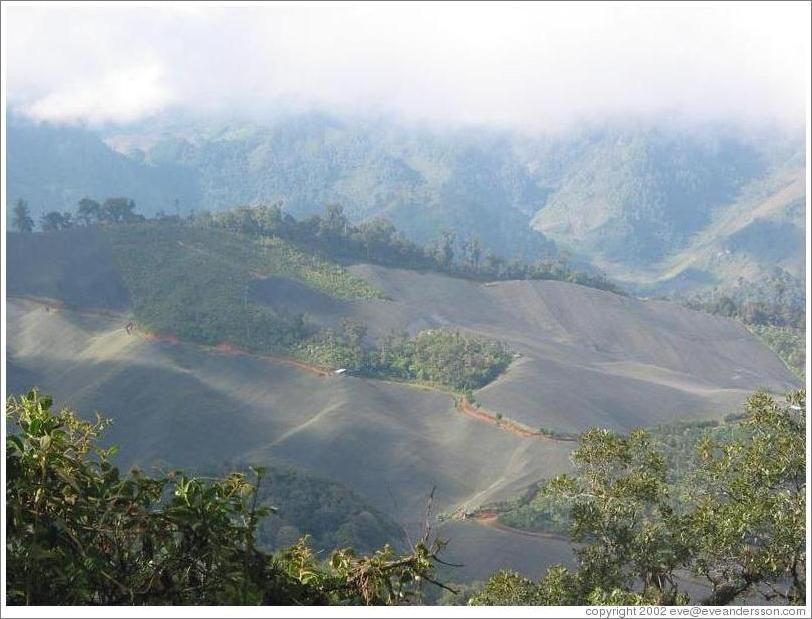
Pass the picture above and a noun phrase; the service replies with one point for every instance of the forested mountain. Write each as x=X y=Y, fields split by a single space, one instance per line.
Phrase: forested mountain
x=661 y=210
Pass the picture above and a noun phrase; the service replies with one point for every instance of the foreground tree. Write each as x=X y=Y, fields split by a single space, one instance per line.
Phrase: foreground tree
x=737 y=519
x=79 y=532
x=749 y=499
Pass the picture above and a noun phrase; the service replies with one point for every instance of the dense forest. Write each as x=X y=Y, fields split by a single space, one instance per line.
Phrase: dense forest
x=82 y=532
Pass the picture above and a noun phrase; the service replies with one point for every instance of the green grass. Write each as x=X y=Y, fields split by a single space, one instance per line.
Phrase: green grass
x=193 y=283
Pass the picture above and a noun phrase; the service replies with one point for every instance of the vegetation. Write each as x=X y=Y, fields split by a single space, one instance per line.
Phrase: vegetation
x=331 y=516
x=788 y=343
x=193 y=283
x=737 y=518
x=22 y=217
x=378 y=242
x=459 y=361
x=81 y=532
x=773 y=309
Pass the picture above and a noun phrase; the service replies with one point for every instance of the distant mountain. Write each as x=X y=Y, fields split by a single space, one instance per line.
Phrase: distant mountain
x=671 y=210
x=661 y=210
x=53 y=167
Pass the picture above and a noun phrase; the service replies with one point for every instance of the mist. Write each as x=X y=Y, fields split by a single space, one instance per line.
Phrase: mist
x=530 y=67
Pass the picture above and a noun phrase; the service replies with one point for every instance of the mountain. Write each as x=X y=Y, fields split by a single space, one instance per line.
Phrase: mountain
x=662 y=209
x=53 y=167
x=584 y=357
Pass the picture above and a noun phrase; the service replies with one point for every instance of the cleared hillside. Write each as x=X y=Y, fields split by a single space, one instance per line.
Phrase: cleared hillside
x=586 y=357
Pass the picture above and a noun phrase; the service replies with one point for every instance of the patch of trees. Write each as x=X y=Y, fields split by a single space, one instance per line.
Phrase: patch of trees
x=778 y=299
x=773 y=308
x=460 y=361
x=737 y=520
x=81 y=532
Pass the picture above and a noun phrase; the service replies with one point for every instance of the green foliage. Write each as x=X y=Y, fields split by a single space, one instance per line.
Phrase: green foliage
x=333 y=236
x=328 y=513
x=773 y=308
x=458 y=361
x=786 y=342
x=507 y=588
x=79 y=532
x=22 y=217
x=56 y=221
x=461 y=361
x=536 y=512
x=734 y=515
x=749 y=505
x=193 y=283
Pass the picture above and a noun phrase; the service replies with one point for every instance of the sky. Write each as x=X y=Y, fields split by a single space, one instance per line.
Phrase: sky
x=529 y=66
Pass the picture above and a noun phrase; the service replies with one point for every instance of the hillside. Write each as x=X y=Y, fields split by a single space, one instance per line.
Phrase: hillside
x=587 y=357
x=663 y=210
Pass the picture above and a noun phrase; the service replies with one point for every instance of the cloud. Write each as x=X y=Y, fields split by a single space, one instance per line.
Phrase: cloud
x=124 y=95
x=534 y=66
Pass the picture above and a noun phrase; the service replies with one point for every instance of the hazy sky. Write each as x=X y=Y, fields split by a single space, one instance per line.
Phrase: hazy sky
x=538 y=66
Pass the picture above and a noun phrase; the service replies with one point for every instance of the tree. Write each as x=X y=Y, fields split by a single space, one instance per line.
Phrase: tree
x=738 y=518
x=118 y=210
x=22 y=217
x=88 y=211
x=353 y=334
x=620 y=506
x=475 y=251
x=749 y=497
x=445 y=249
x=52 y=221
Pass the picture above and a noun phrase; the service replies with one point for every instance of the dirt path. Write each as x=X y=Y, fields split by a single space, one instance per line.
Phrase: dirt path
x=230 y=349
x=514 y=427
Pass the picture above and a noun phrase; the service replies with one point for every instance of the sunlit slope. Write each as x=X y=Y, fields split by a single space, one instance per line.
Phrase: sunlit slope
x=187 y=406
x=588 y=357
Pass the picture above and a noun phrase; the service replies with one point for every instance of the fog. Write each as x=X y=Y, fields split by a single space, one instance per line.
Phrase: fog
x=540 y=67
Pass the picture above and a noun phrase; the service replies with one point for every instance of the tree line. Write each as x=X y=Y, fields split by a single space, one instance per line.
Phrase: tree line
x=333 y=236
x=88 y=212
x=379 y=242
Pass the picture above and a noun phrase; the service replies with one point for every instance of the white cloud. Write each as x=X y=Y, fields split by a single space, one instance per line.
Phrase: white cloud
x=123 y=95
x=536 y=66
